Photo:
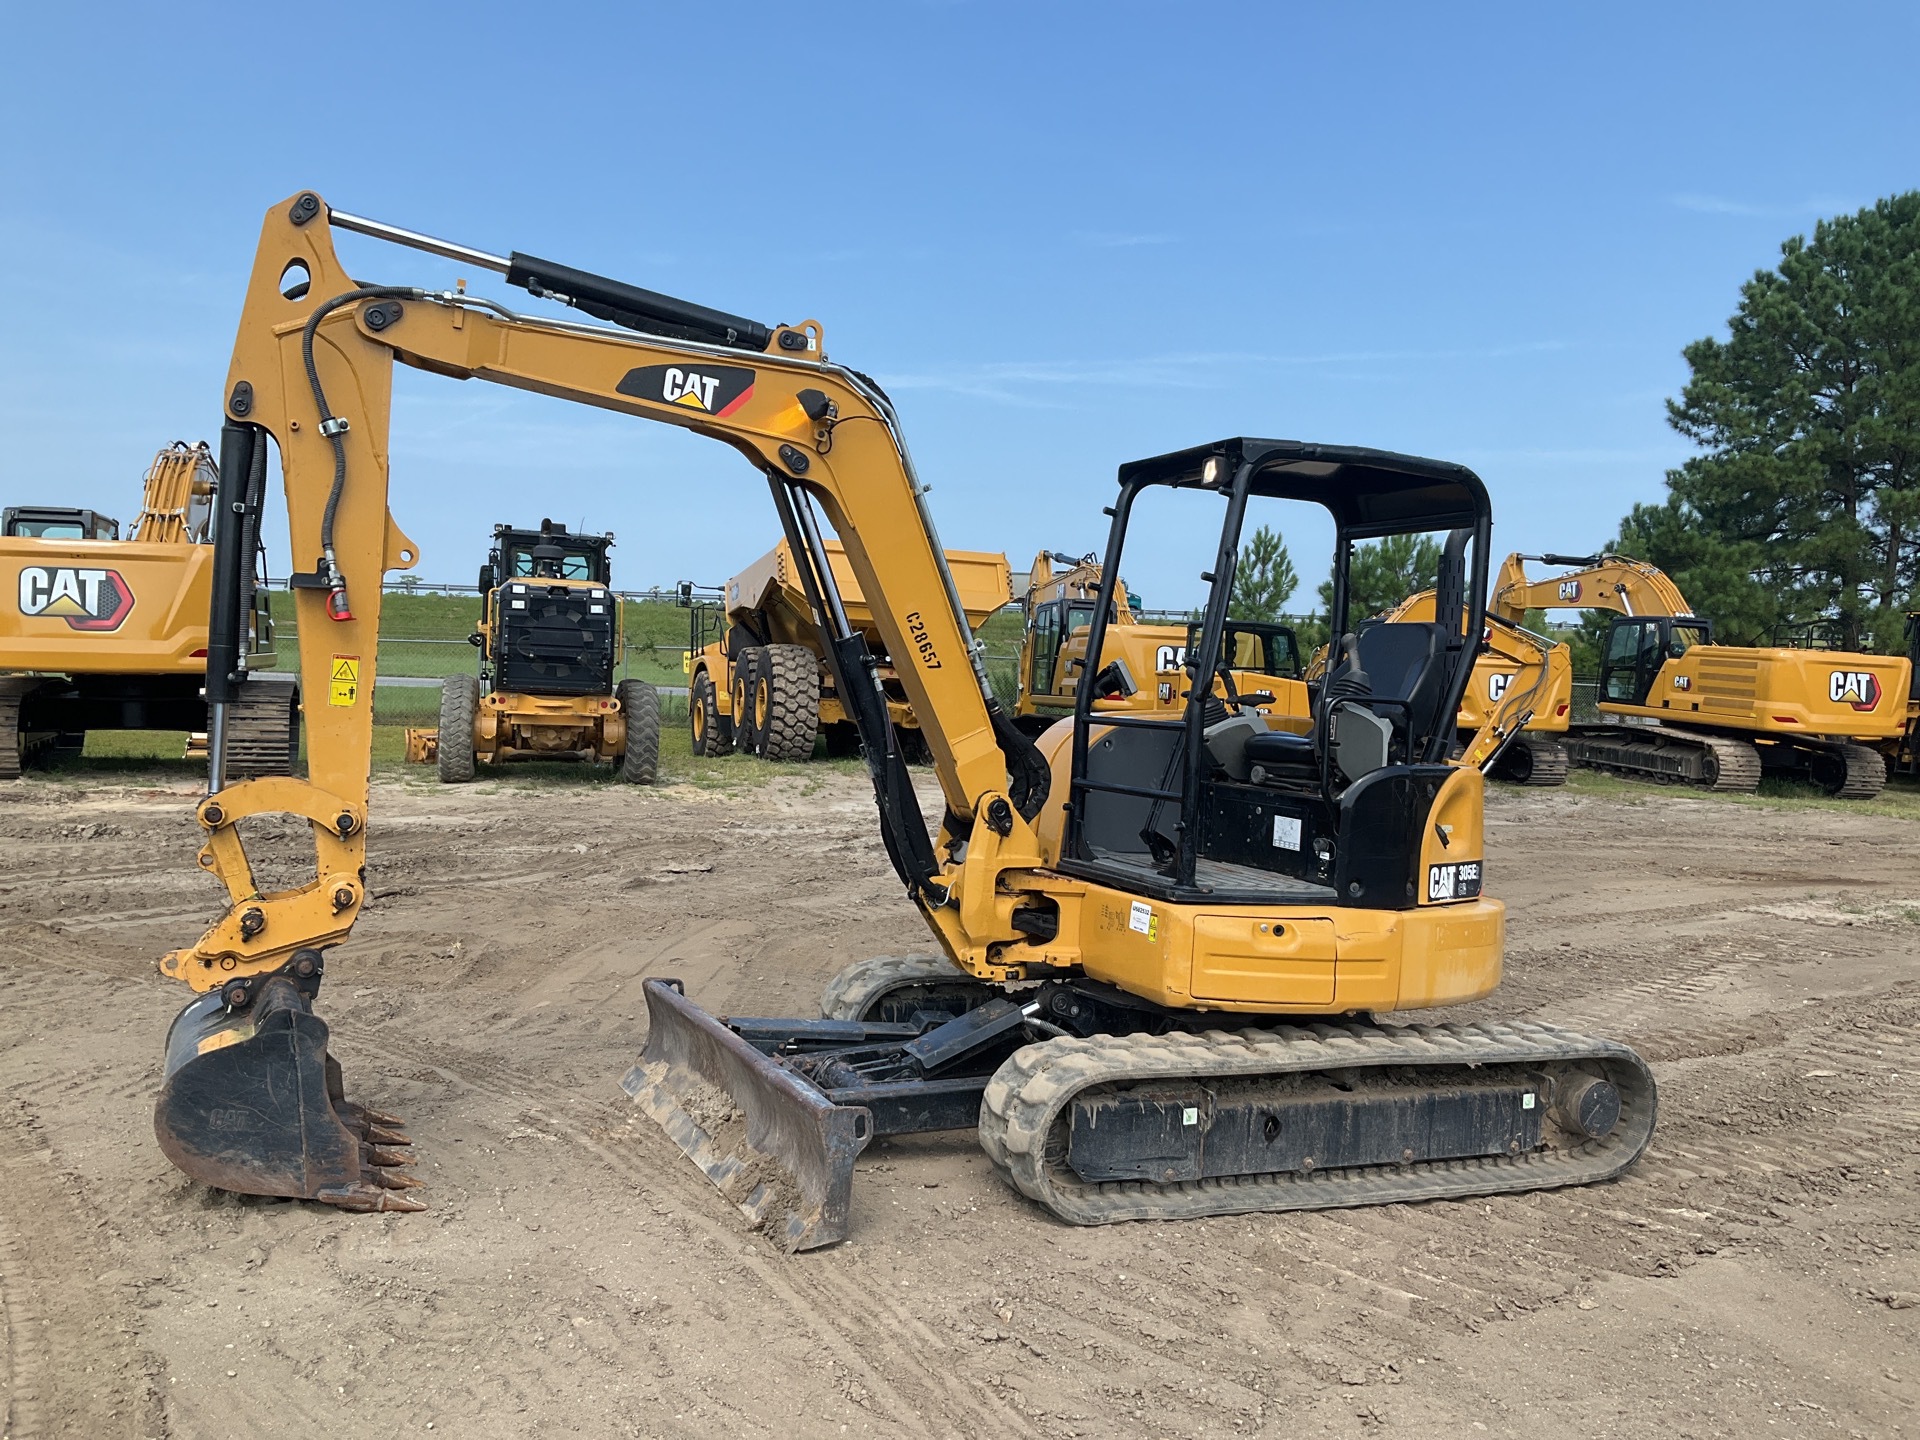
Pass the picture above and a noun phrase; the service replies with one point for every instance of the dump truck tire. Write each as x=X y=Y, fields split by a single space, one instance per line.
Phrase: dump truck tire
x=639 y=763
x=787 y=704
x=746 y=667
x=459 y=704
x=704 y=719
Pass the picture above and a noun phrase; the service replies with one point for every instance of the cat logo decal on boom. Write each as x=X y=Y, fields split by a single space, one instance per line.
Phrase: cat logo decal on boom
x=716 y=390
x=87 y=599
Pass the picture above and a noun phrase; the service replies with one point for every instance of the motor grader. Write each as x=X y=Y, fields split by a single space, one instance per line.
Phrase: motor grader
x=101 y=633
x=1687 y=709
x=757 y=681
x=551 y=637
x=1146 y=664
x=1160 y=937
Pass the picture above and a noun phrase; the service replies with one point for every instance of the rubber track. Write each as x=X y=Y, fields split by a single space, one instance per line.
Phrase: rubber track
x=852 y=993
x=1026 y=1102
x=639 y=763
x=793 y=716
x=1637 y=748
x=1866 y=772
x=263 y=730
x=11 y=689
x=1549 y=761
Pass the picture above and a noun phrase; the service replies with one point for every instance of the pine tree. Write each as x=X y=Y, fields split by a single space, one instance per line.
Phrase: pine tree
x=1806 y=501
x=1263 y=578
x=1384 y=573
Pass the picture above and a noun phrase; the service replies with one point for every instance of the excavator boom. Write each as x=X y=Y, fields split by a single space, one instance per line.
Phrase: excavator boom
x=1148 y=899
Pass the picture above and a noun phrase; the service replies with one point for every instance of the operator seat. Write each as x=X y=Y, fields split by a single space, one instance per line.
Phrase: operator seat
x=1401 y=660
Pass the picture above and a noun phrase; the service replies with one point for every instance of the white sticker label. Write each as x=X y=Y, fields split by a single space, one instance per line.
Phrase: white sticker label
x=1286 y=832
x=1190 y=1115
x=1140 y=917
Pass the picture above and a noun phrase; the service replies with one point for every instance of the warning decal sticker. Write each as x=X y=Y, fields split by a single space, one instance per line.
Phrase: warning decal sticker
x=344 y=680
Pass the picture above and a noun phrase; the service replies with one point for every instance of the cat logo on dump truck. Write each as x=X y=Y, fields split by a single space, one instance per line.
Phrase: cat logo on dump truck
x=1858 y=688
x=86 y=598
x=716 y=390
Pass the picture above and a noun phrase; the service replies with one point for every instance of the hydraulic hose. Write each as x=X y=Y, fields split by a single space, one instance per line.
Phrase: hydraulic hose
x=335 y=430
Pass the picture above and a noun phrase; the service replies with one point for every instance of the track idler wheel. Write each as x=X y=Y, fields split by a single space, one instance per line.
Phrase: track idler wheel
x=252 y=1102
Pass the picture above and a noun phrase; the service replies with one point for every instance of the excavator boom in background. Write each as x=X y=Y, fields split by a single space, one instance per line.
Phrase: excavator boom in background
x=1160 y=934
x=1703 y=713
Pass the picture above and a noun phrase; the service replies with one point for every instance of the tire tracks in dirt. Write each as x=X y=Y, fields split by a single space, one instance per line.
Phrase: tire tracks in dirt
x=848 y=1317
x=74 y=1367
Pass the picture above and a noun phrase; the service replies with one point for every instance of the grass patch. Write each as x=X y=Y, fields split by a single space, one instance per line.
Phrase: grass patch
x=1898 y=801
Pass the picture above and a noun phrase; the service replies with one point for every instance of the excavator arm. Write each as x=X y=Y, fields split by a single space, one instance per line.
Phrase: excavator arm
x=1600 y=582
x=312 y=375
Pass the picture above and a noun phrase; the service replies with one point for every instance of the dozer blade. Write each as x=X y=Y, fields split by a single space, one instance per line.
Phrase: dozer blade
x=774 y=1145
x=253 y=1103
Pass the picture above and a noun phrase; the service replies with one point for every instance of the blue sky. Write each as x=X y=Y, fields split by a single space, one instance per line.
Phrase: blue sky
x=1061 y=235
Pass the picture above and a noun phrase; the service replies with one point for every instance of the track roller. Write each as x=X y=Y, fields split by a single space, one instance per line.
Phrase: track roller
x=1532 y=760
x=1177 y=1126
x=894 y=988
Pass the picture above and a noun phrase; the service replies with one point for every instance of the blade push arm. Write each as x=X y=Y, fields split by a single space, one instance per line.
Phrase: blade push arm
x=312 y=370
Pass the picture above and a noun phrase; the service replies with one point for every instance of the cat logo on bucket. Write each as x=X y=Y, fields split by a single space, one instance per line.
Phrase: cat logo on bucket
x=1858 y=688
x=87 y=599
x=716 y=390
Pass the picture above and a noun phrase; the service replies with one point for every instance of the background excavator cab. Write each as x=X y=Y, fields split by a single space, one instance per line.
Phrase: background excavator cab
x=1218 y=804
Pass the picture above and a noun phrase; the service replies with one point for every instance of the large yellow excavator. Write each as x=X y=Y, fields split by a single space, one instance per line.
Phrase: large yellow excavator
x=103 y=633
x=1157 y=974
x=1519 y=702
x=1702 y=713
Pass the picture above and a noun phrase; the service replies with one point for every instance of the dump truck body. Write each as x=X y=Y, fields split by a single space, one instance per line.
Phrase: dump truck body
x=745 y=659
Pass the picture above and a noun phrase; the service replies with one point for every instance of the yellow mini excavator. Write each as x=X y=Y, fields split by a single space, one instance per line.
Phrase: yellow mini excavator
x=1158 y=972
x=1702 y=713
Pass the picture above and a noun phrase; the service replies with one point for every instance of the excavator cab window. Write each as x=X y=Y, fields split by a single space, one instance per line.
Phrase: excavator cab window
x=1637 y=647
x=1046 y=648
x=35 y=522
x=1217 y=805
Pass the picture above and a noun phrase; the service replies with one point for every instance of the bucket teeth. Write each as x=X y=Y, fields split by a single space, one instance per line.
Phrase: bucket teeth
x=367 y=1197
x=395 y=1179
x=388 y=1154
x=383 y=1135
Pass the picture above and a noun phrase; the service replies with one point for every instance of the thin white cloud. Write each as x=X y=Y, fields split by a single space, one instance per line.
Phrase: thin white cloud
x=1038 y=383
x=1119 y=240
x=1720 y=205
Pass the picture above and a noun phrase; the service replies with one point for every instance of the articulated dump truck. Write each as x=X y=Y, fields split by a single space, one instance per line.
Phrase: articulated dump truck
x=757 y=681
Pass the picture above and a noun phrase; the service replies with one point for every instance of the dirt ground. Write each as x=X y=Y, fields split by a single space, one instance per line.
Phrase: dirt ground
x=1756 y=1274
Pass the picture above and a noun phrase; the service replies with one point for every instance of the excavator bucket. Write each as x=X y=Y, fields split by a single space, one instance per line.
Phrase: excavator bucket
x=777 y=1148
x=253 y=1103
